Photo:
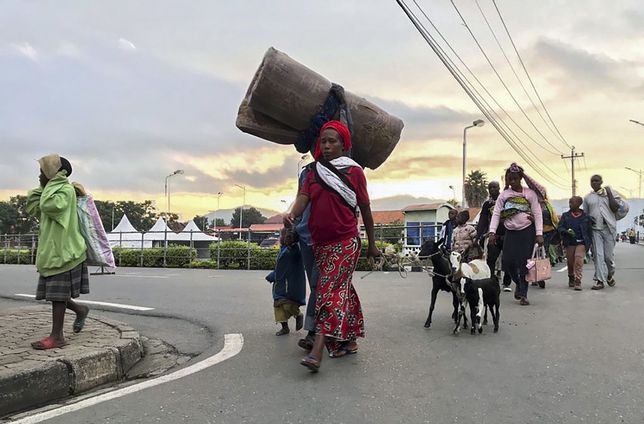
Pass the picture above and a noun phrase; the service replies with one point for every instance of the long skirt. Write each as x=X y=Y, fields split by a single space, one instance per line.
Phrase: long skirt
x=517 y=249
x=338 y=313
x=64 y=286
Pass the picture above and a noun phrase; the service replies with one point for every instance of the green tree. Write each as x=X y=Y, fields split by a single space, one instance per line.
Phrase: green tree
x=8 y=218
x=202 y=222
x=251 y=216
x=219 y=222
x=142 y=215
x=107 y=212
x=476 y=188
x=25 y=223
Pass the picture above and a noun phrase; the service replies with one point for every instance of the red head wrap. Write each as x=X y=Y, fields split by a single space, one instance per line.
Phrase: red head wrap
x=342 y=129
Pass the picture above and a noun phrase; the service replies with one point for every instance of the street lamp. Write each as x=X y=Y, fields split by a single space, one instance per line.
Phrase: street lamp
x=636 y=122
x=477 y=123
x=639 y=173
x=219 y=194
x=299 y=164
x=167 y=191
x=630 y=191
x=113 y=207
x=241 y=210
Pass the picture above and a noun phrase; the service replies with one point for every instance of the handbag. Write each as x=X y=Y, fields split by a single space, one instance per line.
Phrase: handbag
x=99 y=252
x=539 y=268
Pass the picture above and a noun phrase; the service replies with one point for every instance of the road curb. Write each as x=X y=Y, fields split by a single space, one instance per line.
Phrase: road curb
x=32 y=383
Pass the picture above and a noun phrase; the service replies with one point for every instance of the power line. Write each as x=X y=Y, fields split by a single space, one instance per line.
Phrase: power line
x=528 y=75
x=498 y=43
x=497 y=73
x=462 y=79
x=453 y=69
x=483 y=87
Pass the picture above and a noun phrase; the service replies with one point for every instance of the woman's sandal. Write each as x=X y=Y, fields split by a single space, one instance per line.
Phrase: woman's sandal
x=311 y=362
x=343 y=351
x=47 y=343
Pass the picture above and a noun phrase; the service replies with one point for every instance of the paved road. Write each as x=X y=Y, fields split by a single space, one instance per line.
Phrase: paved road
x=570 y=357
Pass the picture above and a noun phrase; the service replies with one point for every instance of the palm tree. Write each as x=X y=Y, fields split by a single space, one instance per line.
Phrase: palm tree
x=476 y=188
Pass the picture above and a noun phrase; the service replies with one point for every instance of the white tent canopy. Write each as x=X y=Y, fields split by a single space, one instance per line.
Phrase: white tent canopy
x=160 y=232
x=192 y=232
x=125 y=235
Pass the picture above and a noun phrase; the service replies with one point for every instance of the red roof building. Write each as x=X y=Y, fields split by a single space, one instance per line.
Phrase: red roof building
x=273 y=228
x=386 y=217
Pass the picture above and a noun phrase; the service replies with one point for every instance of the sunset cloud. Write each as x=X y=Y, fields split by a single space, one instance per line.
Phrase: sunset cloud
x=131 y=93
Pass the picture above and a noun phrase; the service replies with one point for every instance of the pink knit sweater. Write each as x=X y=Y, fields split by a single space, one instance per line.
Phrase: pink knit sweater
x=520 y=220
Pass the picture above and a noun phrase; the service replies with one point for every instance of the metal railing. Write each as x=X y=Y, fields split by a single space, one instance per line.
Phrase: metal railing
x=192 y=250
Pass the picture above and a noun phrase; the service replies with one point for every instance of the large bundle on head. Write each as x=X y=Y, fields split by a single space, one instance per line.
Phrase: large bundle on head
x=284 y=96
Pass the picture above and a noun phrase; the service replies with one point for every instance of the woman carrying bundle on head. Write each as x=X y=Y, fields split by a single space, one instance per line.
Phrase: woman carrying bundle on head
x=519 y=209
x=336 y=188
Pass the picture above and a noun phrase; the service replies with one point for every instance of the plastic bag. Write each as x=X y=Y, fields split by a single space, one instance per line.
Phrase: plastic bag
x=99 y=252
x=622 y=210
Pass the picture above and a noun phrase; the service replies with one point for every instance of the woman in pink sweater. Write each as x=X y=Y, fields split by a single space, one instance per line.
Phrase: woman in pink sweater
x=518 y=207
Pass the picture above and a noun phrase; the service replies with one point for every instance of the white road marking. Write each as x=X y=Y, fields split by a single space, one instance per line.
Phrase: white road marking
x=565 y=268
x=233 y=344
x=94 y=302
x=143 y=276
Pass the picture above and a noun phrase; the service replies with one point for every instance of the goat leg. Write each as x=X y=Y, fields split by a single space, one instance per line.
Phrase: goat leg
x=432 y=303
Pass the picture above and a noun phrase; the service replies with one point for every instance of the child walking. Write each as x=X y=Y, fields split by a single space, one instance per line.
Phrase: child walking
x=464 y=237
x=576 y=233
x=289 y=291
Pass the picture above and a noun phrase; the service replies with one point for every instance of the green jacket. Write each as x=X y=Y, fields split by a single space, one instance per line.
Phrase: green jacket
x=61 y=246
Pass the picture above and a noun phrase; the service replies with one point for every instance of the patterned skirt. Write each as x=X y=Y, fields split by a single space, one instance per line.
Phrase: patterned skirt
x=338 y=313
x=64 y=286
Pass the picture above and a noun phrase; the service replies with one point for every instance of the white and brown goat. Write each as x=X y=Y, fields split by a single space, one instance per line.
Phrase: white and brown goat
x=476 y=269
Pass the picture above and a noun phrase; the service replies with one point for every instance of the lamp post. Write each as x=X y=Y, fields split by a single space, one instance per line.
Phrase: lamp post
x=477 y=123
x=639 y=173
x=113 y=206
x=219 y=194
x=630 y=191
x=299 y=164
x=241 y=210
x=167 y=190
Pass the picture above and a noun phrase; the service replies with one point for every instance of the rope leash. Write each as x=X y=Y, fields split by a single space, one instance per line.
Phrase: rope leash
x=393 y=260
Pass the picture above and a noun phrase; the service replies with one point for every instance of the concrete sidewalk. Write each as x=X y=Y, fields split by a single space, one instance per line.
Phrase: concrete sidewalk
x=102 y=353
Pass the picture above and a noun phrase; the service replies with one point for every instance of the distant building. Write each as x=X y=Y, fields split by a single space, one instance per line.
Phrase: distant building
x=423 y=222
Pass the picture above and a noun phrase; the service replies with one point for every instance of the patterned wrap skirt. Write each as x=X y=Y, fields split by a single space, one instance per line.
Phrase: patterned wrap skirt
x=64 y=286
x=338 y=313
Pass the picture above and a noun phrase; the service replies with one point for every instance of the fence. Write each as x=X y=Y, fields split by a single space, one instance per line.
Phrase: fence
x=194 y=250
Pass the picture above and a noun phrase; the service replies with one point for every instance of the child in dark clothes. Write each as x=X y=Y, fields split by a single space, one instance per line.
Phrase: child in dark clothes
x=576 y=233
x=289 y=290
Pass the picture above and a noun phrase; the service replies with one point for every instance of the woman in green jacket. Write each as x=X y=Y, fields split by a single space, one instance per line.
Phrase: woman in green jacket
x=60 y=260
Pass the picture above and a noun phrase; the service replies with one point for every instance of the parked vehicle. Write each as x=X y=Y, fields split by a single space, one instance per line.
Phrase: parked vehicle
x=270 y=242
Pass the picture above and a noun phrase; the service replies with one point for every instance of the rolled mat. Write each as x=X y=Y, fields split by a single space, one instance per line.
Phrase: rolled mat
x=284 y=95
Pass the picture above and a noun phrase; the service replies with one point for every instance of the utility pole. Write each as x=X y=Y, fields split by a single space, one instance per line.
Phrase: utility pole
x=639 y=181
x=573 y=155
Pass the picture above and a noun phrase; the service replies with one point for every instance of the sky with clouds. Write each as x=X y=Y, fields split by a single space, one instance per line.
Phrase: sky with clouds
x=131 y=91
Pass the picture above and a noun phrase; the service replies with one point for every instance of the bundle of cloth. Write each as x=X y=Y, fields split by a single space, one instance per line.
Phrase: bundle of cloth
x=287 y=103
